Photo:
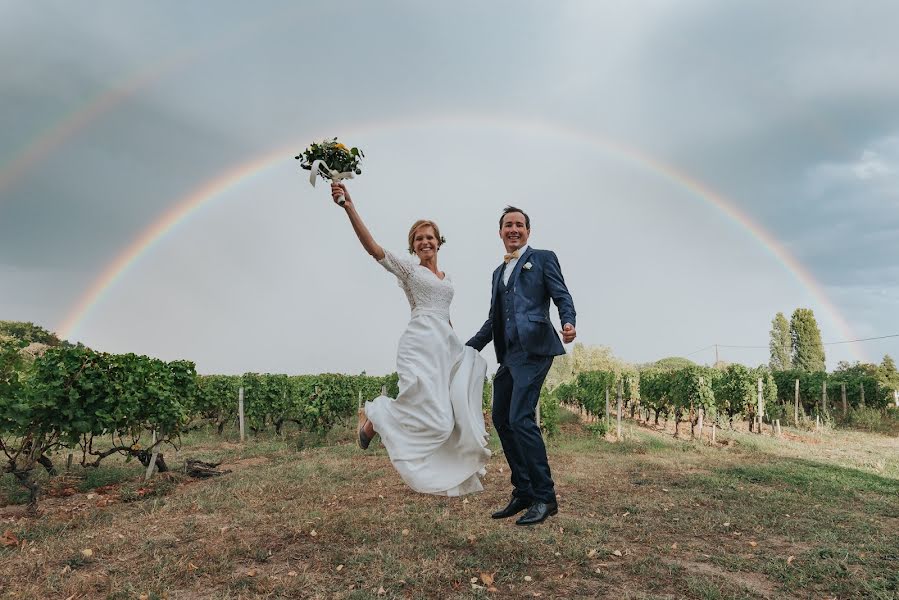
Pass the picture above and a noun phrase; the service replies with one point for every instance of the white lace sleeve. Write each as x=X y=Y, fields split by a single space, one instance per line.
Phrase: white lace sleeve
x=396 y=265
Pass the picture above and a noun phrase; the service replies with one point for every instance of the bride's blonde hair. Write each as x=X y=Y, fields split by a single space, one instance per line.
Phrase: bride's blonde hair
x=425 y=223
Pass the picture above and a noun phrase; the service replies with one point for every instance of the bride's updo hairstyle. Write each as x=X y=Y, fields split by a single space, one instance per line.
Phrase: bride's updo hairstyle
x=425 y=223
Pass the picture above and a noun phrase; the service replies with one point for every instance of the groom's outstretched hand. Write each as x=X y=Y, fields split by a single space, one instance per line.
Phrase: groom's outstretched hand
x=568 y=333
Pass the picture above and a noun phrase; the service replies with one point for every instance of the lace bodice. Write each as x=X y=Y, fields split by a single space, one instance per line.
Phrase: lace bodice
x=423 y=288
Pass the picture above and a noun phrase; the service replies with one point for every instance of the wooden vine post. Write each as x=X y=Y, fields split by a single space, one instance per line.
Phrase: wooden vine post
x=620 y=393
x=240 y=414
x=153 y=457
x=701 y=411
x=608 y=409
x=843 y=393
x=761 y=407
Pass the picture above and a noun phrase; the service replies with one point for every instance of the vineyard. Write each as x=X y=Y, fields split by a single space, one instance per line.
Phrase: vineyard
x=297 y=511
x=699 y=395
x=75 y=402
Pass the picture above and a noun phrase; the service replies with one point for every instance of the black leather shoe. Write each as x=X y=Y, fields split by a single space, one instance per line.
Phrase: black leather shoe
x=539 y=512
x=516 y=505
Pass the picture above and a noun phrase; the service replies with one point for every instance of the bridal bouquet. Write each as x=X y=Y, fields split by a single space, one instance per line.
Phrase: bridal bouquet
x=332 y=160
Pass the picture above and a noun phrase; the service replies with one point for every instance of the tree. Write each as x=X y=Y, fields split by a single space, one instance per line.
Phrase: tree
x=780 y=343
x=582 y=359
x=28 y=332
x=887 y=374
x=672 y=363
x=888 y=368
x=805 y=337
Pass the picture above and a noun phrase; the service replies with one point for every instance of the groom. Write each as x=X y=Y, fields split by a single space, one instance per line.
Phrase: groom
x=525 y=343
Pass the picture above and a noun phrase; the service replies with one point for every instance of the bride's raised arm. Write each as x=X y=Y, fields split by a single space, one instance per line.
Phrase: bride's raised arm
x=368 y=242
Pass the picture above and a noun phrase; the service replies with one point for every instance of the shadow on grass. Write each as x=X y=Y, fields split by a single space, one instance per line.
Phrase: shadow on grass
x=11 y=491
x=107 y=475
x=80 y=479
x=818 y=480
x=833 y=501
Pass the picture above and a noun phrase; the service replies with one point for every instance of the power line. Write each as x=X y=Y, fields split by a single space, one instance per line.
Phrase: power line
x=881 y=337
x=737 y=346
x=700 y=350
x=868 y=339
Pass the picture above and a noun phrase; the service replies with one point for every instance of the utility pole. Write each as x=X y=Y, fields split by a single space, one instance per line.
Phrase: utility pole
x=716 y=354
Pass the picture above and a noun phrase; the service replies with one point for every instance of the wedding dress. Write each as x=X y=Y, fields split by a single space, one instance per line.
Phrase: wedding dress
x=434 y=430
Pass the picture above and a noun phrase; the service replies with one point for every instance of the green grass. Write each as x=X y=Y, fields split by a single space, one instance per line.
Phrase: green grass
x=11 y=492
x=78 y=479
x=94 y=477
x=815 y=479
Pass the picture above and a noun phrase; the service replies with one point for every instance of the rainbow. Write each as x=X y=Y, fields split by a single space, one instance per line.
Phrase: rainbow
x=54 y=136
x=185 y=207
x=50 y=138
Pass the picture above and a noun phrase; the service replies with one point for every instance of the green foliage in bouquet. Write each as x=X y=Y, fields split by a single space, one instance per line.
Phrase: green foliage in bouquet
x=337 y=156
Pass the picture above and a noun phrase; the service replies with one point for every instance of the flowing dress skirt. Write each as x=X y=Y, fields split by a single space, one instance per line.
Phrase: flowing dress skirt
x=434 y=430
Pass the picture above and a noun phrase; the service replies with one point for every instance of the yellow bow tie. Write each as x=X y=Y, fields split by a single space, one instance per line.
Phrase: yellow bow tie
x=508 y=257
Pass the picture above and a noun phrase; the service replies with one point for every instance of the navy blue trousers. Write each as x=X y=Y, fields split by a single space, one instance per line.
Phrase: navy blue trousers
x=516 y=391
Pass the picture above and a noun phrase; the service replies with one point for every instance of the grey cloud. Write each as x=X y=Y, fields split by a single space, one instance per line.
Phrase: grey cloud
x=772 y=105
x=107 y=183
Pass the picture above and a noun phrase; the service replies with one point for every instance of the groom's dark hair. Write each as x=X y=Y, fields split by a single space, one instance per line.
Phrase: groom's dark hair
x=511 y=209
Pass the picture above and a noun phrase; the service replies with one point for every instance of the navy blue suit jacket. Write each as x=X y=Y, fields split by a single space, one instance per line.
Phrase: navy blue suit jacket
x=531 y=288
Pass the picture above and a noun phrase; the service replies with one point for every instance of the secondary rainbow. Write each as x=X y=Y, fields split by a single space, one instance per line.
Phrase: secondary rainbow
x=184 y=208
x=55 y=135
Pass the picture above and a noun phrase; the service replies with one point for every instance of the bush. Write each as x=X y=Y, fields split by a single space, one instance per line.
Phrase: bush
x=867 y=419
x=549 y=413
x=487 y=399
x=599 y=429
x=591 y=391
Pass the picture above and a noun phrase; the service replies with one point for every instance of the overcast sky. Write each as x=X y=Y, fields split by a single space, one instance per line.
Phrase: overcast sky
x=575 y=111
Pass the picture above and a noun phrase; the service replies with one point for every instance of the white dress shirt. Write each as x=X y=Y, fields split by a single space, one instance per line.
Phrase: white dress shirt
x=507 y=272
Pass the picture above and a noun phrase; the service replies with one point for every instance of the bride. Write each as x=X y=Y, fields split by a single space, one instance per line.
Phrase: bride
x=434 y=430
